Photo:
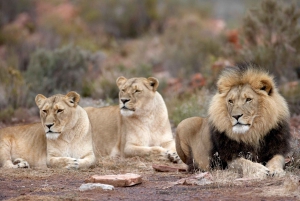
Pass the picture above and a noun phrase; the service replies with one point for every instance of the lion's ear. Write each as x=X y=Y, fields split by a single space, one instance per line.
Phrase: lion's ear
x=72 y=98
x=39 y=100
x=153 y=83
x=266 y=85
x=120 y=81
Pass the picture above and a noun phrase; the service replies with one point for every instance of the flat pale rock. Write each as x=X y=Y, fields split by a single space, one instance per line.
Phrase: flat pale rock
x=118 y=180
x=91 y=186
x=165 y=168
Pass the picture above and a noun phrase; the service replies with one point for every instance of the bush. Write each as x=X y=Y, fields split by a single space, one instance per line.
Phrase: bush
x=133 y=18
x=14 y=88
x=59 y=71
x=188 y=47
x=190 y=106
x=106 y=83
x=120 y=18
x=271 y=38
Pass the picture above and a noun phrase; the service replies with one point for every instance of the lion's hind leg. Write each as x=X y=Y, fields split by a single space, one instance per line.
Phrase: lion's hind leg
x=20 y=163
x=182 y=148
x=191 y=163
x=6 y=160
x=186 y=155
x=17 y=163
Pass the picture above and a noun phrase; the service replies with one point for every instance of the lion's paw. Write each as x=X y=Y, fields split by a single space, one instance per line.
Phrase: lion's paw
x=73 y=163
x=21 y=163
x=158 y=153
x=259 y=171
x=276 y=172
x=173 y=157
x=157 y=150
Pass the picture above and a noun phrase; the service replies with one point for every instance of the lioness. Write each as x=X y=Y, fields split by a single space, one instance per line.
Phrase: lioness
x=139 y=126
x=247 y=126
x=63 y=139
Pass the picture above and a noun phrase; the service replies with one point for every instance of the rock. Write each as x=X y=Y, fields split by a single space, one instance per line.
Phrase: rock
x=165 y=168
x=90 y=186
x=200 y=179
x=292 y=183
x=197 y=179
x=118 y=180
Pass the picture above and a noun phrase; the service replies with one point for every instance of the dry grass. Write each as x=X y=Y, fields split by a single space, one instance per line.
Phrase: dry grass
x=43 y=184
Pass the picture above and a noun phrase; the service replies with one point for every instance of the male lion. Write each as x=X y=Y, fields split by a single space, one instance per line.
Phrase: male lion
x=63 y=139
x=247 y=126
x=139 y=126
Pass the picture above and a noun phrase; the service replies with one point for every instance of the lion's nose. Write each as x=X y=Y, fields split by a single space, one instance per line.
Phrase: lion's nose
x=237 y=116
x=124 y=100
x=49 y=125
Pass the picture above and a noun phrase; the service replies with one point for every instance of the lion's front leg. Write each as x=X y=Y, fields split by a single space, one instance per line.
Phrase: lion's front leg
x=72 y=163
x=249 y=168
x=88 y=161
x=63 y=162
x=276 y=165
x=154 y=152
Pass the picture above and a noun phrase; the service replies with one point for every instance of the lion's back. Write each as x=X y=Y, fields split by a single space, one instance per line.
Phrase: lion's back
x=105 y=128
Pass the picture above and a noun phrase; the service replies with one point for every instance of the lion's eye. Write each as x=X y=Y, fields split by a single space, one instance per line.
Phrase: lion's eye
x=60 y=111
x=137 y=91
x=45 y=111
x=230 y=101
x=123 y=90
x=248 y=100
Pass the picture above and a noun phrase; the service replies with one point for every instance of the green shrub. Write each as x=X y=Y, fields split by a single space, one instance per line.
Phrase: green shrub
x=119 y=18
x=13 y=92
x=13 y=83
x=271 y=38
x=6 y=114
x=59 y=71
x=106 y=86
x=192 y=105
x=188 y=46
x=133 y=18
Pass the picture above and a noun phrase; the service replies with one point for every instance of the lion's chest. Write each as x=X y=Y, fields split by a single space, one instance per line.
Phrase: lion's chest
x=275 y=142
x=61 y=148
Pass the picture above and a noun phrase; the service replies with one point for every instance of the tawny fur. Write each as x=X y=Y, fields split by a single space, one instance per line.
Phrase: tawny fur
x=247 y=114
x=68 y=143
x=138 y=126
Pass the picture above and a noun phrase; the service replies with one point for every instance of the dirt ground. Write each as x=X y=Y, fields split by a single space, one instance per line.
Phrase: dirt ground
x=58 y=184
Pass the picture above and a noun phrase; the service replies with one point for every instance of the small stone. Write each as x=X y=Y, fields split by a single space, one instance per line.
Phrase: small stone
x=118 y=180
x=200 y=179
x=90 y=186
x=165 y=168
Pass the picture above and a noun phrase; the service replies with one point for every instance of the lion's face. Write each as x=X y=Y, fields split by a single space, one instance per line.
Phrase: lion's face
x=58 y=113
x=242 y=106
x=247 y=105
x=136 y=94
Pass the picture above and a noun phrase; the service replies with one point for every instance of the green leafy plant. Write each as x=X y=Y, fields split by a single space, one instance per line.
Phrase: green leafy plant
x=271 y=38
x=59 y=71
x=13 y=83
x=192 y=105
x=188 y=46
